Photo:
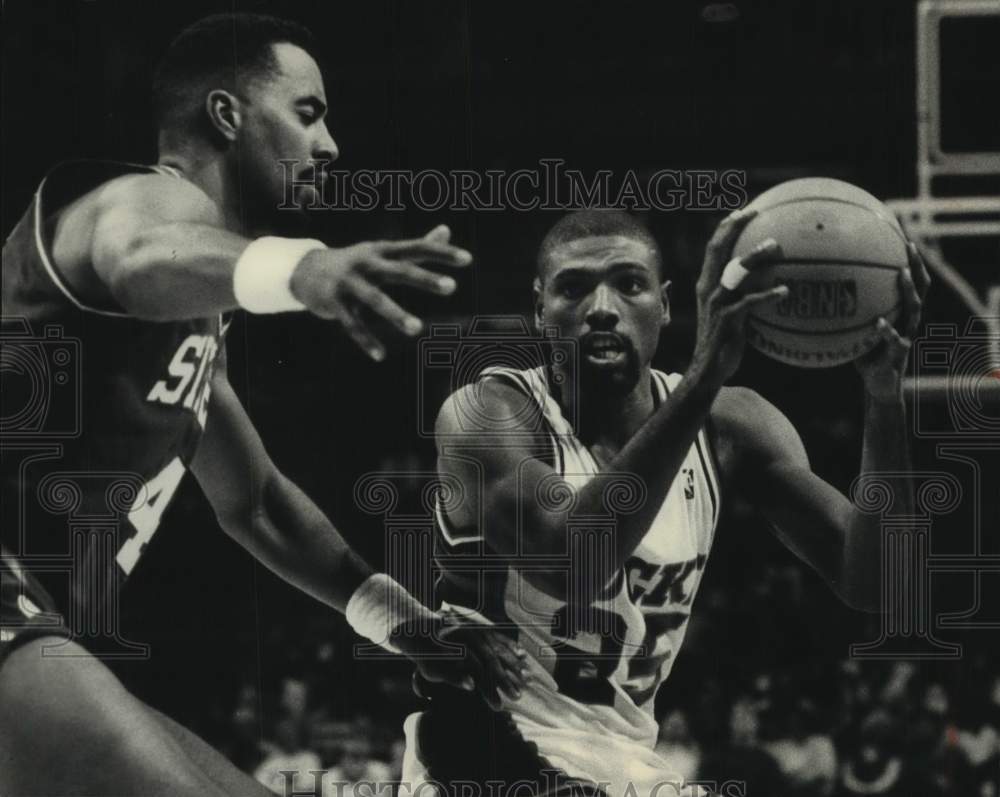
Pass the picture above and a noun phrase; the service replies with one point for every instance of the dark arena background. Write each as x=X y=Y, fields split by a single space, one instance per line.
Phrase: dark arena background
x=746 y=94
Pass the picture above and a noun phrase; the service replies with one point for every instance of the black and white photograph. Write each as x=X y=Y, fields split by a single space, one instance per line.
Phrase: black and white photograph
x=463 y=398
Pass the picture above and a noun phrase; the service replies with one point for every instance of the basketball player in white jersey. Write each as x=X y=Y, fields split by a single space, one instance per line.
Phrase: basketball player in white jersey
x=658 y=453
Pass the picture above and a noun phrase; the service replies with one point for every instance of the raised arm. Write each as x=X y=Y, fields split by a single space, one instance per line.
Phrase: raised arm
x=812 y=518
x=156 y=246
x=514 y=476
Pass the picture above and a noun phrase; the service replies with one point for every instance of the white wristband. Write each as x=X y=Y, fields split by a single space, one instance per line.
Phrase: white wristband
x=379 y=606
x=263 y=274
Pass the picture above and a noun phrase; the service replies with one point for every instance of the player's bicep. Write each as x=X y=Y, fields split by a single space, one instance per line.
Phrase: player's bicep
x=805 y=512
x=808 y=515
x=231 y=464
x=498 y=468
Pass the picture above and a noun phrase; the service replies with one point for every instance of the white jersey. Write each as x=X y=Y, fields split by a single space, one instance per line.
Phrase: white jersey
x=597 y=668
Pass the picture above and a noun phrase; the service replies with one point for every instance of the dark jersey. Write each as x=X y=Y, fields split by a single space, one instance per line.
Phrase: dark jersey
x=102 y=415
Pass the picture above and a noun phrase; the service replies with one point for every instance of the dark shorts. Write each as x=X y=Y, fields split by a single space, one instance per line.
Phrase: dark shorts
x=27 y=611
x=460 y=740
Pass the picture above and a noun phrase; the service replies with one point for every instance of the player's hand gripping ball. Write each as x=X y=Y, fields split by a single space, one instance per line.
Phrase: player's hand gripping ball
x=844 y=258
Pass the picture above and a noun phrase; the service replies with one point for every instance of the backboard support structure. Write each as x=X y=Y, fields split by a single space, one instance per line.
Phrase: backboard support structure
x=928 y=218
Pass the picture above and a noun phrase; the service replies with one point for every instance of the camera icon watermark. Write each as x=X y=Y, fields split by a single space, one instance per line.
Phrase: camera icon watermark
x=503 y=346
x=40 y=382
x=963 y=368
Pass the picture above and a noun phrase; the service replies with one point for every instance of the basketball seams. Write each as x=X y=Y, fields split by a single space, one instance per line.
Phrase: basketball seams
x=822 y=261
x=824 y=332
x=794 y=200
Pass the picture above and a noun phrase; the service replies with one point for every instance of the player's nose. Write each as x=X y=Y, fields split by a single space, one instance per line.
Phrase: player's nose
x=602 y=312
x=326 y=148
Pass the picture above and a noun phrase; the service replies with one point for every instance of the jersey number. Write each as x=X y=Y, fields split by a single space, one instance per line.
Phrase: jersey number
x=147 y=510
x=586 y=676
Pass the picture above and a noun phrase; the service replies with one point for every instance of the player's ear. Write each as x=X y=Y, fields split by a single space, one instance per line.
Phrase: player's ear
x=224 y=113
x=665 y=297
x=539 y=306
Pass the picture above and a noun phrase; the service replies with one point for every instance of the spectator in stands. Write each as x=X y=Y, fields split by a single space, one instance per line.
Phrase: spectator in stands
x=741 y=762
x=288 y=754
x=677 y=746
x=874 y=768
x=807 y=760
x=359 y=774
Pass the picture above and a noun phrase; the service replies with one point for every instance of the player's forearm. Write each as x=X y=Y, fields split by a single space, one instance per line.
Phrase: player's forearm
x=885 y=449
x=653 y=456
x=289 y=534
x=174 y=271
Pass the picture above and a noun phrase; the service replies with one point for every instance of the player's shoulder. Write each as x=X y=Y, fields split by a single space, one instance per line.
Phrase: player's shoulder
x=159 y=194
x=739 y=408
x=495 y=404
x=81 y=191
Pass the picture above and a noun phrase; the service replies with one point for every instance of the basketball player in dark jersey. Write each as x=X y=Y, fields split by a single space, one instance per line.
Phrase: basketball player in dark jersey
x=665 y=449
x=130 y=273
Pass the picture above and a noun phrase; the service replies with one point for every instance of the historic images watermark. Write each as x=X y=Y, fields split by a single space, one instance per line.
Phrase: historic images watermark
x=548 y=186
x=551 y=781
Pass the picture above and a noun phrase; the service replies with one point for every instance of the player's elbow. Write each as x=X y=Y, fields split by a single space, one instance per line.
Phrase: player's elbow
x=242 y=513
x=861 y=597
x=239 y=520
x=866 y=604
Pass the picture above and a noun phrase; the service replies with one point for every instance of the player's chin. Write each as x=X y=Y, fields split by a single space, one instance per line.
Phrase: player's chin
x=305 y=197
x=608 y=377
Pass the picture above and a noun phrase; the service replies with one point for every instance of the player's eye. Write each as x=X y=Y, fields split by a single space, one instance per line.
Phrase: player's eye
x=573 y=289
x=307 y=117
x=632 y=284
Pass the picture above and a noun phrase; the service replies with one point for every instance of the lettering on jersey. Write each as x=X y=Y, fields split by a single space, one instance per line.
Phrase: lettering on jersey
x=653 y=586
x=188 y=380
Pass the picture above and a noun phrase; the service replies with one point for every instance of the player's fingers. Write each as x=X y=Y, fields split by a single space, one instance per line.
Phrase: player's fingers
x=502 y=670
x=358 y=332
x=762 y=253
x=918 y=269
x=440 y=234
x=891 y=335
x=910 y=319
x=487 y=677
x=514 y=662
x=402 y=272
x=423 y=250
x=381 y=305
x=720 y=245
x=744 y=304
x=739 y=268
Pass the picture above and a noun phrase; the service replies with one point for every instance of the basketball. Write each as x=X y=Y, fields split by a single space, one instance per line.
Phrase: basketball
x=841 y=251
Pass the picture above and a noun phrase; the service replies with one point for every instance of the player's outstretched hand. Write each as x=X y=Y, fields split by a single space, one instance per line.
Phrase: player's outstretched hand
x=723 y=304
x=882 y=369
x=491 y=663
x=346 y=285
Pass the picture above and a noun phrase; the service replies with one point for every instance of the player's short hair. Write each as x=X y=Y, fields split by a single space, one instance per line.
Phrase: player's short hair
x=215 y=50
x=591 y=223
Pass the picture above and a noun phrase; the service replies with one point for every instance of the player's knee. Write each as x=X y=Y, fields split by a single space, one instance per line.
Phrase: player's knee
x=44 y=699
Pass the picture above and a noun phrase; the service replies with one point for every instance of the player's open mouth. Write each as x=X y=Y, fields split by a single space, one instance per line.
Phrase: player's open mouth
x=318 y=177
x=604 y=349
